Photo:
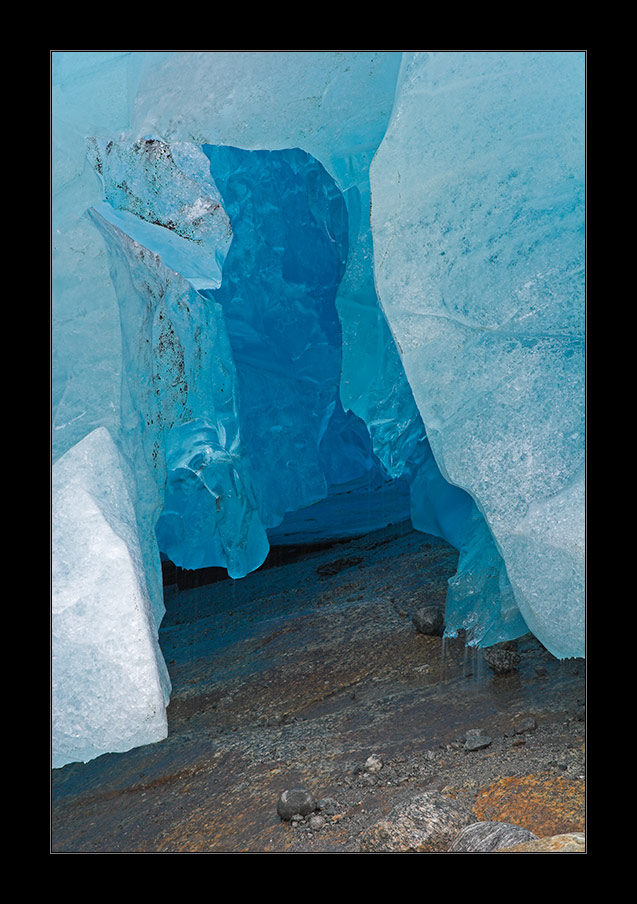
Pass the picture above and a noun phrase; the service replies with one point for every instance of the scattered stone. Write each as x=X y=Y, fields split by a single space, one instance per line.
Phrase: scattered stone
x=485 y=837
x=328 y=805
x=569 y=843
x=373 y=764
x=426 y=824
x=429 y=620
x=540 y=671
x=526 y=725
x=518 y=742
x=295 y=802
x=502 y=658
x=475 y=739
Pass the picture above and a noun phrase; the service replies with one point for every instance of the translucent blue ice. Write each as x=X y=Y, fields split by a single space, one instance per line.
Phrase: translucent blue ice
x=286 y=261
x=180 y=412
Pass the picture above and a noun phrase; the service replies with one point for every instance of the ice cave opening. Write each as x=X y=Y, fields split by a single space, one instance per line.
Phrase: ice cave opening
x=264 y=405
x=303 y=469
x=309 y=463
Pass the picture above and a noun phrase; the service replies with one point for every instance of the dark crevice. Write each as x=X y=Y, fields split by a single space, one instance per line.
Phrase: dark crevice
x=187 y=579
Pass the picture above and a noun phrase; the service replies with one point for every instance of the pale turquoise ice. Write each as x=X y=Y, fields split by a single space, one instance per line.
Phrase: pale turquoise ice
x=478 y=224
x=109 y=686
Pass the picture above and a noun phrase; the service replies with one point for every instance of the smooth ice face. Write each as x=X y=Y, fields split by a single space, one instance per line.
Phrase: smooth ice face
x=373 y=381
x=332 y=104
x=478 y=224
x=109 y=682
x=281 y=275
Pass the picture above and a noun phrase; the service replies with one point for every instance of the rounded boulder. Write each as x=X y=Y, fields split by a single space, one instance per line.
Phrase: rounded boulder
x=295 y=802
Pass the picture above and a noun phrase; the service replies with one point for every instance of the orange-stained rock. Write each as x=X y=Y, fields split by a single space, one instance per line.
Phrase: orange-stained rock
x=569 y=843
x=544 y=804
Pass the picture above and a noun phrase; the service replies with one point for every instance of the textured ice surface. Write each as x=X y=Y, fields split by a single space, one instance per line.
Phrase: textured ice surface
x=109 y=683
x=179 y=410
x=164 y=197
x=477 y=216
x=215 y=309
x=333 y=105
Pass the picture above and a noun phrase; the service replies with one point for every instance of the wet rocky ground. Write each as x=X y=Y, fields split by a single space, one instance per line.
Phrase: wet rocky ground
x=310 y=673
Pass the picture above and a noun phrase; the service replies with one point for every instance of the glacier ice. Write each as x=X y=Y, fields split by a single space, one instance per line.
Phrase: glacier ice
x=478 y=226
x=480 y=603
x=105 y=653
x=284 y=282
x=281 y=275
x=165 y=198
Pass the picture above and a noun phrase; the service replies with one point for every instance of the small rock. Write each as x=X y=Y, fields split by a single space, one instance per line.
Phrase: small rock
x=328 y=805
x=501 y=659
x=475 y=739
x=317 y=822
x=429 y=620
x=373 y=764
x=295 y=802
x=485 y=837
x=526 y=725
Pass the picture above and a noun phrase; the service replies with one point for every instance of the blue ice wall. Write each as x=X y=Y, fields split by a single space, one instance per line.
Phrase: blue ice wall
x=287 y=258
x=281 y=274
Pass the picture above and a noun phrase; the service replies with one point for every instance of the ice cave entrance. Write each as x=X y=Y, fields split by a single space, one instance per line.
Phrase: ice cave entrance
x=308 y=468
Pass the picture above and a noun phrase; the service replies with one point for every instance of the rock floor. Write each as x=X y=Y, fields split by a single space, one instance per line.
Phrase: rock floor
x=295 y=676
